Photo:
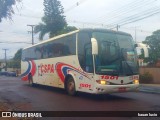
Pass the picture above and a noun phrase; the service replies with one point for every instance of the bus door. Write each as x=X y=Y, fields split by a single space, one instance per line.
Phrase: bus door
x=89 y=66
x=88 y=59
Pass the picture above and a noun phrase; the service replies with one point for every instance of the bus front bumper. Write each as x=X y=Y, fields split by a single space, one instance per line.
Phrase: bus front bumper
x=102 y=89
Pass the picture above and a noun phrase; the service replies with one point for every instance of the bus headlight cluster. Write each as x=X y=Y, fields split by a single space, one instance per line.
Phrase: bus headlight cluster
x=136 y=81
x=102 y=82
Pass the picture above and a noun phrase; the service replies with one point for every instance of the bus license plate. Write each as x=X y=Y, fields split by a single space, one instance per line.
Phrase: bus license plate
x=122 y=89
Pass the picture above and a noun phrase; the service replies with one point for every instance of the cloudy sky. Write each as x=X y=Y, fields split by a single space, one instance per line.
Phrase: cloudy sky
x=128 y=14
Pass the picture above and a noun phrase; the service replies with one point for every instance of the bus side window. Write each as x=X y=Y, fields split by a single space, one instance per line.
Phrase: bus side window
x=69 y=47
x=66 y=50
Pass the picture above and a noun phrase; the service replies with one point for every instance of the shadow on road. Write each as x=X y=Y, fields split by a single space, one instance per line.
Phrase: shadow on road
x=101 y=97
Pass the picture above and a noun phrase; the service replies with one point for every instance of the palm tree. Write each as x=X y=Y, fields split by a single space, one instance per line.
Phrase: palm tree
x=42 y=29
x=6 y=9
x=53 y=20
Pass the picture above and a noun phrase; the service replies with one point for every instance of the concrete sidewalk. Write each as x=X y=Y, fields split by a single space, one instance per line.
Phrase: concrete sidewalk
x=150 y=88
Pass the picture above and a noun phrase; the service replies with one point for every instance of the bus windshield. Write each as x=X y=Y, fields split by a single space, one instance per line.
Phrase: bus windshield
x=116 y=54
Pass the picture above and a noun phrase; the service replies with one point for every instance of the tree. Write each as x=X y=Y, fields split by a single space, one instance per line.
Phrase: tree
x=16 y=61
x=54 y=21
x=154 y=43
x=6 y=9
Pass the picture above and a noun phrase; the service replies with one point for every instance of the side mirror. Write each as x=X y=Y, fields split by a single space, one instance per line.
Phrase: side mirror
x=94 y=46
x=144 y=47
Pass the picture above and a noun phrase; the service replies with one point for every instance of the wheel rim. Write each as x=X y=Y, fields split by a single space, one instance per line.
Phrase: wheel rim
x=71 y=87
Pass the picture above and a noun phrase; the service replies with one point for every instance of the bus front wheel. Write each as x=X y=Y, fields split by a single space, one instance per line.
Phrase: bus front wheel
x=70 y=86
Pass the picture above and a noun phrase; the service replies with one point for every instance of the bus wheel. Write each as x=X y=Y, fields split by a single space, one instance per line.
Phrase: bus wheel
x=70 y=86
x=30 y=80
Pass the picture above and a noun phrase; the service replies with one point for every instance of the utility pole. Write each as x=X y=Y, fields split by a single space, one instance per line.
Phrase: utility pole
x=5 y=58
x=117 y=27
x=135 y=34
x=32 y=26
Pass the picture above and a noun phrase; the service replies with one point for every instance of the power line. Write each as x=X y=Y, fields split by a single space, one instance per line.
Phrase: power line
x=74 y=5
x=7 y=42
x=104 y=25
x=129 y=11
x=137 y=17
x=101 y=24
x=67 y=10
x=86 y=23
x=130 y=19
x=141 y=18
x=111 y=12
x=12 y=33
x=114 y=12
x=139 y=14
x=28 y=16
x=140 y=30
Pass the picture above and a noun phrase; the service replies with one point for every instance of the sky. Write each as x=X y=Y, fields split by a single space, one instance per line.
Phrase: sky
x=82 y=14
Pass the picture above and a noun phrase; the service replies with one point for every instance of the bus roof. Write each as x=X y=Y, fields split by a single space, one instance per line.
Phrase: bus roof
x=53 y=38
x=82 y=30
x=103 y=30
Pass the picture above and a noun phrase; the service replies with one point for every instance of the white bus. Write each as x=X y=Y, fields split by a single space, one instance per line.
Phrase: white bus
x=97 y=61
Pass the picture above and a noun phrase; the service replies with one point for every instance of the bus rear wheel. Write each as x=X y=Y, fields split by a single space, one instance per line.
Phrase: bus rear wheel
x=70 y=86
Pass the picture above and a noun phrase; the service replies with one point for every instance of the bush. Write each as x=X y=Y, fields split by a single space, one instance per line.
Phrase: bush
x=146 y=78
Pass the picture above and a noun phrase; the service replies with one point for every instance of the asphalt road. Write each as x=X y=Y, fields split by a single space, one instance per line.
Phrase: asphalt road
x=22 y=97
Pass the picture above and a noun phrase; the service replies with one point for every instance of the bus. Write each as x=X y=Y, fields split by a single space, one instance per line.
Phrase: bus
x=96 y=61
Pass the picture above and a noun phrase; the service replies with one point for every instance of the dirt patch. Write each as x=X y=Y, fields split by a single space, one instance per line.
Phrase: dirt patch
x=4 y=106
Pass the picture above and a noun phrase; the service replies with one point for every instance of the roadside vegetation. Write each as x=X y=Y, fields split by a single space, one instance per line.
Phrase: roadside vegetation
x=146 y=78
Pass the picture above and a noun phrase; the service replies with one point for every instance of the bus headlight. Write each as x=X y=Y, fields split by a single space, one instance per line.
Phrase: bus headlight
x=136 y=82
x=102 y=82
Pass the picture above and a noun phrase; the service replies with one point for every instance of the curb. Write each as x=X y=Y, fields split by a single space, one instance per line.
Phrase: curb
x=148 y=89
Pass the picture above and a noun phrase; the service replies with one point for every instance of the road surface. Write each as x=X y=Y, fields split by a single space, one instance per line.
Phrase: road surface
x=18 y=95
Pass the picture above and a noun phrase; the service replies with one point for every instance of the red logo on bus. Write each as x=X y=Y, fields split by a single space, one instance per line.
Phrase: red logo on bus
x=107 y=77
x=46 y=68
x=85 y=85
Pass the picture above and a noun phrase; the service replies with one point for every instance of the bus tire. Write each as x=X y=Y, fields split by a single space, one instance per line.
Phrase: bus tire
x=30 y=80
x=70 y=86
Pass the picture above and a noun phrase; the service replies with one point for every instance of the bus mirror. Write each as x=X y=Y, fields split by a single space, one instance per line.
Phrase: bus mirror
x=145 y=48
x=94 y=46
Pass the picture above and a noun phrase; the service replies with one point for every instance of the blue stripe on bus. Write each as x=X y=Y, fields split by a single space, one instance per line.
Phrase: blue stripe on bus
x=28 y=70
